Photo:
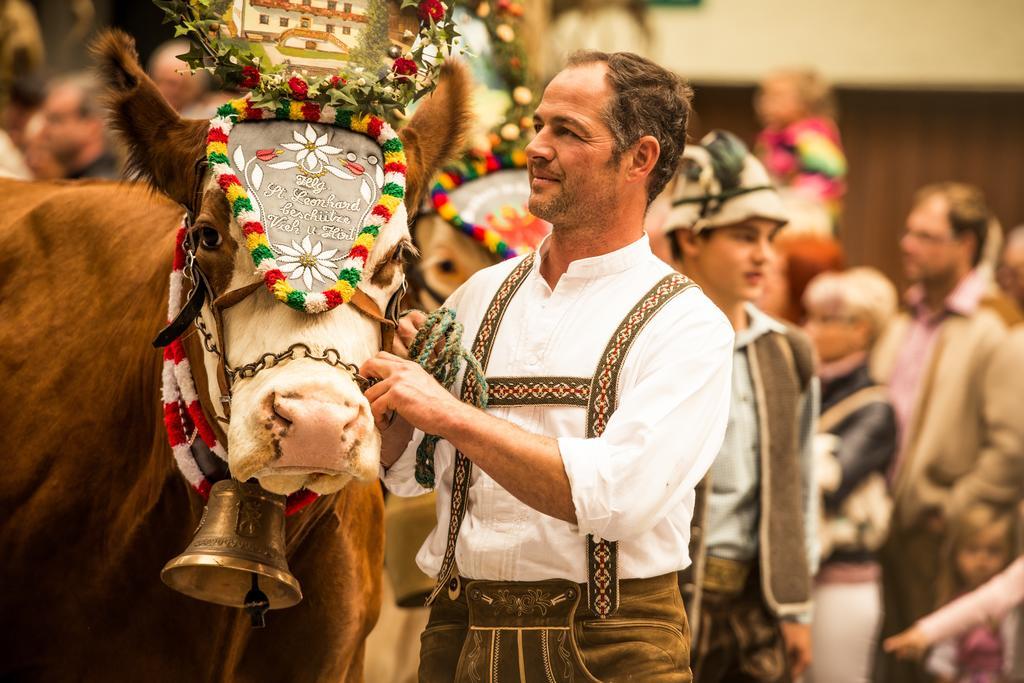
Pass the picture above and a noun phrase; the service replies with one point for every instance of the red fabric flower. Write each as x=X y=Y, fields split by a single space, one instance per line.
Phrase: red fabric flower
x=337 y=81
x=298 y=87
x=250 y=77
x=404 y=66
x=431 y=10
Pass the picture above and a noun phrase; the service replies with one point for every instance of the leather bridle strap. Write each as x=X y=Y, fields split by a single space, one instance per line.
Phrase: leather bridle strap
x=368 y=307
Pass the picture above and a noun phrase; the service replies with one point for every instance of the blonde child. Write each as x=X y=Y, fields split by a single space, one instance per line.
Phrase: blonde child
x=974 y=634
x=800 y=144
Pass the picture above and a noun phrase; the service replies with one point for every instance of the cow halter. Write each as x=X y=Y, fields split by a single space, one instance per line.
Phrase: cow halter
x=228 y=376
x=184 y=418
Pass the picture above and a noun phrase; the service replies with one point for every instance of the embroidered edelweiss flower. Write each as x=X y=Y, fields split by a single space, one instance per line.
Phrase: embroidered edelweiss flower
x=307 y=261
x=312 y=150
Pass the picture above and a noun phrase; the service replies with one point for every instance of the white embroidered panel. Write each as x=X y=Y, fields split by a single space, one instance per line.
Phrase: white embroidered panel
x=313 y=187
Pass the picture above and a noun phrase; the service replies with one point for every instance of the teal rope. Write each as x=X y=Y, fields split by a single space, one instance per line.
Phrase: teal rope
x=438 y=348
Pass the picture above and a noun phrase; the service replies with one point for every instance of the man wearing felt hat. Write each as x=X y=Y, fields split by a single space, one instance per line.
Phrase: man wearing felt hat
x=753 y=539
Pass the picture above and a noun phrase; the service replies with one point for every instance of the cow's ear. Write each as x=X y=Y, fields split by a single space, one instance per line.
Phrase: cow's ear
x=163 y=148
x=437 y=131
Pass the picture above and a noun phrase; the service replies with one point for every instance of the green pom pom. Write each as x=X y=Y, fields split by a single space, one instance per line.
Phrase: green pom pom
x=392 y=145
x=349 y=275
x=261 y=253
x=297 y=300
x=240 y=204
x=393 y=190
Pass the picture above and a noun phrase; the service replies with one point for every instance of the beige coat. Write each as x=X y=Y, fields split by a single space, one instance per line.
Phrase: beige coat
x=966 y=441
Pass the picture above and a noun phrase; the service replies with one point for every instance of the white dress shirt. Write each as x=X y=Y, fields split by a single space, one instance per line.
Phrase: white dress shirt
x=635 y=483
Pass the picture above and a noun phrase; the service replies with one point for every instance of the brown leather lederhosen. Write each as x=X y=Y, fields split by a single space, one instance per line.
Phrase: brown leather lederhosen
x=599 y=396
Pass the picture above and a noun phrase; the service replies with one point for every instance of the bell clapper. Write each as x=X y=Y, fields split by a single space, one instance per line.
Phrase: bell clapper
x=257 y=604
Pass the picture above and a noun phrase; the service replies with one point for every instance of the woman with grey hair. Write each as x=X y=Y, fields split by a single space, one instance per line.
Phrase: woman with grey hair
x=856 y=442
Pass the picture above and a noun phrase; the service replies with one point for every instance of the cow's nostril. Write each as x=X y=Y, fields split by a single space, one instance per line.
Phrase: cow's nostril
x=283 y=409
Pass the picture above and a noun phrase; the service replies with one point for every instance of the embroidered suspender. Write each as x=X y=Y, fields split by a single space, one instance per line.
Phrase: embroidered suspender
x=538 y=391
x=603 y=555
x=482 y=345
x=598 y=394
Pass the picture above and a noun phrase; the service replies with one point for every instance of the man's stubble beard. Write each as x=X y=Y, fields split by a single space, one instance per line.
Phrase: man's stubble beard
x=573 y=213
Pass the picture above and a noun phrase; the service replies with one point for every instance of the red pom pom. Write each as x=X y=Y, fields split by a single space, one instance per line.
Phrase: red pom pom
x=333 y=297
x=311 y=111
x=430 y=10
x=298 y=87
x=250 y=77
x=373 y=127
x=227 y=180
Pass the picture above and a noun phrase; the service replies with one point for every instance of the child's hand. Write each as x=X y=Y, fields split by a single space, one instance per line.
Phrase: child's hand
x=911 y=644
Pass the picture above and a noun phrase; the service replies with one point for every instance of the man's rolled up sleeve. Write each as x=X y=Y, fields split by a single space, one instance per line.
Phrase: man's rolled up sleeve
x=400 y=478
x=665 y=433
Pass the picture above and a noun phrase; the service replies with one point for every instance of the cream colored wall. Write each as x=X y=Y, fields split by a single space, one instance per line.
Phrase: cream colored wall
x=886 y=43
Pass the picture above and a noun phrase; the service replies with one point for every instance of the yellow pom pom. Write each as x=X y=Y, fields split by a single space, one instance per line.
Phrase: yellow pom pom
x=364 y=240
x=234 y=193
x=361 y=124
x=345 y=290
x=256 y=239
x=217 y=148
x=282 y=289
x=390 y=202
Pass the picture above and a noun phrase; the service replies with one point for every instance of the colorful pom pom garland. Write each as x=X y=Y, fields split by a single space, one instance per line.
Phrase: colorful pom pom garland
x=183 y=413
x=469 y=169
x=352 y=266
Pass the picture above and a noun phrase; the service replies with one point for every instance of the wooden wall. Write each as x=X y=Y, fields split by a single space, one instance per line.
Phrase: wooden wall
x=897 y=141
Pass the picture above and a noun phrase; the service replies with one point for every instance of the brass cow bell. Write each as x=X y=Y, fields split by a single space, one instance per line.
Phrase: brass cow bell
x=236 y=557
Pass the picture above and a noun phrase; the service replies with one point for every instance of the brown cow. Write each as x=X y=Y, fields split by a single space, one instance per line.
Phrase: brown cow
x=447 y=259
x=91 y=505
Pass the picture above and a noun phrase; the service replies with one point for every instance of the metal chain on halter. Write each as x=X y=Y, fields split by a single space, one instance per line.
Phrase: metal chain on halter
x=269 y=360
x=438 y=349
x=330 y=356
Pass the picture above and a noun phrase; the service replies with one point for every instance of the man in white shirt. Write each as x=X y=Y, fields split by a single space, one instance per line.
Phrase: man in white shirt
x=564 y=509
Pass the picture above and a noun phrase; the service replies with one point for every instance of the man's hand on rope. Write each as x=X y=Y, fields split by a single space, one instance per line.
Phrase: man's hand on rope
x=405 y=387
x=408 y=326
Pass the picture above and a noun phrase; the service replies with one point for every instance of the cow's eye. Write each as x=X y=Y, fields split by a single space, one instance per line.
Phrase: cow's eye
x=447 y=266
x=209 y=238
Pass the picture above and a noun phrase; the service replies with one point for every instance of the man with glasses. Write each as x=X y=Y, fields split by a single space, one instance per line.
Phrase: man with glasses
x=74 y=130
x=956 y=396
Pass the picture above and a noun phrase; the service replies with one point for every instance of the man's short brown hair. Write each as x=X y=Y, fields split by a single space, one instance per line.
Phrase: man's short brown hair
x=648 y=100
x=968 y=212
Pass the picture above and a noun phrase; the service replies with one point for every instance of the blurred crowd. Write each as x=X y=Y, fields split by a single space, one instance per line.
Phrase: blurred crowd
x=56 y=128
x=918 y=452
x=916 y=465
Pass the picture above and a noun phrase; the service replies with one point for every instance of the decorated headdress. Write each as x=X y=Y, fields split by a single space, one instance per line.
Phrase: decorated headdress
x=485 y=194
x=312 y=186
x=721 y=183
